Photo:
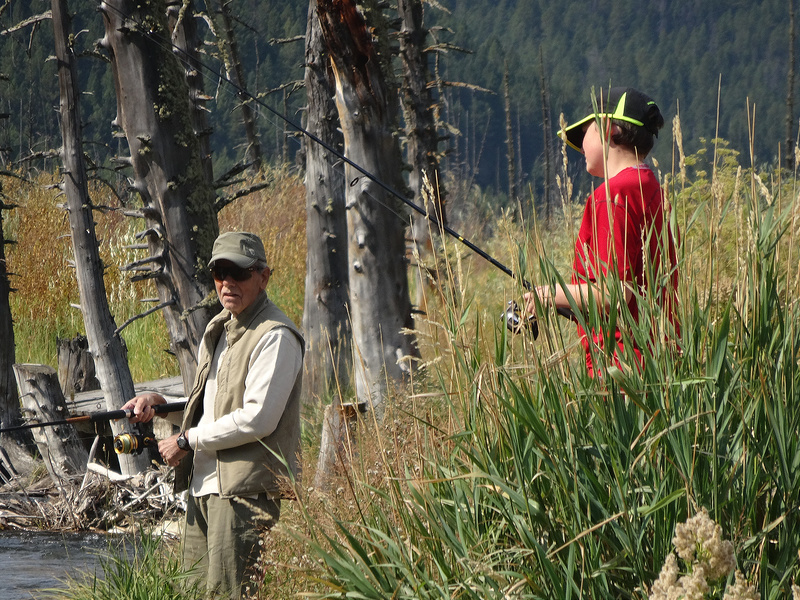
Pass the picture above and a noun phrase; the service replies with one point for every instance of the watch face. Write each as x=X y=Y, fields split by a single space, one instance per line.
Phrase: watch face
x=183 y=443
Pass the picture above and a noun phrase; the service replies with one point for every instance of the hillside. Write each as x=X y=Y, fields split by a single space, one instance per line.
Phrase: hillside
x=677 y=52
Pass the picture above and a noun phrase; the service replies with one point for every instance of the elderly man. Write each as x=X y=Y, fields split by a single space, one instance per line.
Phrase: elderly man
x=241 y=426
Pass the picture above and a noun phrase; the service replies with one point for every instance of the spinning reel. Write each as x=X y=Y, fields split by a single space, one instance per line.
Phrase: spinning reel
x=133 y=443
x=517 y=323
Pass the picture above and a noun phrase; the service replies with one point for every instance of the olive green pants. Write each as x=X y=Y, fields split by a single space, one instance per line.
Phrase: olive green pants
x=220 y=541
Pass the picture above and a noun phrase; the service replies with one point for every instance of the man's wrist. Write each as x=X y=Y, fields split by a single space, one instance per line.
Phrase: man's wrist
x=183 y=442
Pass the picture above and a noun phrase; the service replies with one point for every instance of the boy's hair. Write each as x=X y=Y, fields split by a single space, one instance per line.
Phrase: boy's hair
x=636 y=114
x=639 y=139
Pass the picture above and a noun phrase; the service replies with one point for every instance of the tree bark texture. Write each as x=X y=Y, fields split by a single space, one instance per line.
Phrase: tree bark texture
x=9 y=400
x=153 y=110
x=790 y=119
x=422 y=138
x=105 y=345
x=16 y=444
x=330 y=443
x=62 y=452
x=379 y=297
x=549 y=146
x=183 y=28
x=325 y=314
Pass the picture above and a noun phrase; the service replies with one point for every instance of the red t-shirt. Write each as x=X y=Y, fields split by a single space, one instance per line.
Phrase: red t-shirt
x=624 y=230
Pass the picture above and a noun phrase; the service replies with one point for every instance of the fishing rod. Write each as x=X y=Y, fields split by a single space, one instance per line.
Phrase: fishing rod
x=241 y=92
x=514 y=322
x=99 y=417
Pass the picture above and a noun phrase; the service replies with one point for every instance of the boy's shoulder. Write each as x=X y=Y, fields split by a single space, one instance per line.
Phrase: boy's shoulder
x=630 y=185
x=638 y=176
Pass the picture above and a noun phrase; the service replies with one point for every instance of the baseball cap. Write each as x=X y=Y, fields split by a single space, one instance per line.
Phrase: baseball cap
x=620 y=103
x=241 y=248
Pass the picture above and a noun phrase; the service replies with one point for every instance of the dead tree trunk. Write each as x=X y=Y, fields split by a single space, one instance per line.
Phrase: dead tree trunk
x=229 y=49
x=549 y=147
x=513 y=194
x=335 y=447
x=9 y=401
x=325 y=314
x=422 y=137
x=17 y=444
x=790 y=120
x=379 y=301
x=61 y=450
x=183 y=27
x=178 y=204
x=110 y=356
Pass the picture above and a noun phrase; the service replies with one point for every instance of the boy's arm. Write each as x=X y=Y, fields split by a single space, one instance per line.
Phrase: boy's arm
x=559 y=296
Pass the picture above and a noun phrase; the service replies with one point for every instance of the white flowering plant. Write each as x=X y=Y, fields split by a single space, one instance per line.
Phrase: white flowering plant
x=708 y=562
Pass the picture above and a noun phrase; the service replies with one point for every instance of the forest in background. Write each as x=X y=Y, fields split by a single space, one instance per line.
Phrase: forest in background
x=676 y=52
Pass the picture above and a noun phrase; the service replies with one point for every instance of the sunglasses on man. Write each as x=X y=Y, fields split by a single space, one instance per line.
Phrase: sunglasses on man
x=220 y=273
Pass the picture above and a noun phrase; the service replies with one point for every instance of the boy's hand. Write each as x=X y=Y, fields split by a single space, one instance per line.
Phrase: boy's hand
x=542 y=291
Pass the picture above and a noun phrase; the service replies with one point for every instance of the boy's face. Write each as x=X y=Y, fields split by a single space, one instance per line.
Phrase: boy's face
x=593 y=149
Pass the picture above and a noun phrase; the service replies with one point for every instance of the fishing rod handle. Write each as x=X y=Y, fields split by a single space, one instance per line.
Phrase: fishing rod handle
x=128 y=413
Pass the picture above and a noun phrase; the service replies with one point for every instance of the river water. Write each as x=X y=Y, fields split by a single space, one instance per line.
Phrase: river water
x=31 y=561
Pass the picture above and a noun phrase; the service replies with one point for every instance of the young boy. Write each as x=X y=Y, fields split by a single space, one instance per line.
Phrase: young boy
x=625 y=230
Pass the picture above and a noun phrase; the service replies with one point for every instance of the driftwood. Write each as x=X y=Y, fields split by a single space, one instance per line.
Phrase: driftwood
x=79 y=493
x=62 y=451
x=99 y=503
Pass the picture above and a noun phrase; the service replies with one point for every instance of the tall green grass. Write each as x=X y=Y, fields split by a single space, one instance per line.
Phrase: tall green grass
x=543 y=483
x=502 y=471
x=146 y=568
x=44 y=304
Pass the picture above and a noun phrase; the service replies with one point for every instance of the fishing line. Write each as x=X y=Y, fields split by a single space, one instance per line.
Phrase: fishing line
x=241 y=92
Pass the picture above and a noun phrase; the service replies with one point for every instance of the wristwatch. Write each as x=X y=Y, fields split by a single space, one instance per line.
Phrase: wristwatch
x=183 y=442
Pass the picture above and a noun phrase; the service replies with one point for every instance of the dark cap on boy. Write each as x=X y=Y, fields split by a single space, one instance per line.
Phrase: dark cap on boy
x=619 y=103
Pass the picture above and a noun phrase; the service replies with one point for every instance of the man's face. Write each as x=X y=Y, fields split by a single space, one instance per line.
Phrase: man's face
x=237 y=288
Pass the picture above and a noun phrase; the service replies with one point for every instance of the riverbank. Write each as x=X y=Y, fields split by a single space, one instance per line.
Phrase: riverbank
x=91 y=503
x=36 y=560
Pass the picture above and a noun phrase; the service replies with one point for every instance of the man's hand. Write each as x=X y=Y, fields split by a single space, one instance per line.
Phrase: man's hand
x=170 y=452
x=142 y=406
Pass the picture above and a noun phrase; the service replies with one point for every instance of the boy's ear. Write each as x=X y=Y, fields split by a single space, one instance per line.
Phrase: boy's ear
x=613 y=131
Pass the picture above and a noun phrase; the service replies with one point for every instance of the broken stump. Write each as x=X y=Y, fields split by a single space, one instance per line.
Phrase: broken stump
x=43 y=401
x=76 y=366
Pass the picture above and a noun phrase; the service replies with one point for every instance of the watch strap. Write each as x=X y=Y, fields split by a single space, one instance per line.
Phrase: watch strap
x=183 y=441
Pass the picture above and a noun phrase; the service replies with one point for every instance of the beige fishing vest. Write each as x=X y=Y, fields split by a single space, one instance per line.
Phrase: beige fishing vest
x=252 y=468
